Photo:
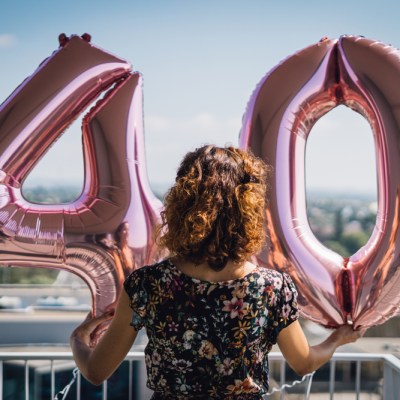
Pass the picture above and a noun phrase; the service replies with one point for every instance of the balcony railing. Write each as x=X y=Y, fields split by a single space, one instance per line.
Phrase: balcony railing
x=41 y=375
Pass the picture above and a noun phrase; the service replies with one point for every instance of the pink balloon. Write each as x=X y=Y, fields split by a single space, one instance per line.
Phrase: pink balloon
x=363 y=75
x=109 y=230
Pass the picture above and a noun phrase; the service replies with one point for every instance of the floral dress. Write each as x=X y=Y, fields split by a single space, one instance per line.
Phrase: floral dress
x=209 y=340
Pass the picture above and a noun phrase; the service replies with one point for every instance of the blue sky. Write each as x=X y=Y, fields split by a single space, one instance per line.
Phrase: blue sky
x=200 y=61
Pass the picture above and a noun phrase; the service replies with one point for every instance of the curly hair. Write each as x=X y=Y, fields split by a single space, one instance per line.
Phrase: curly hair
x=215 y=211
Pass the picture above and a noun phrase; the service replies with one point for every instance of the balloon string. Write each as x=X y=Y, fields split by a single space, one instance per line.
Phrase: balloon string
x=65 y=391
x=294 y=383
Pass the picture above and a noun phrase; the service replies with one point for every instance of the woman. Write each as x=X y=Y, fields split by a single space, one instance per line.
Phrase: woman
x=210 y=314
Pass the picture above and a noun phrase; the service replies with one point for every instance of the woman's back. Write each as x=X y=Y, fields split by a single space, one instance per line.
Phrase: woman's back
x=212 y=318
x=209 y=339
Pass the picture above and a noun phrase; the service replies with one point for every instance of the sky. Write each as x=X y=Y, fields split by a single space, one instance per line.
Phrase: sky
x=200 y=62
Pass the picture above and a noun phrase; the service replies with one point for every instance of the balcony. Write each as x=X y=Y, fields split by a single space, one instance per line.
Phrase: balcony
x=366 y=370
x=41 y=375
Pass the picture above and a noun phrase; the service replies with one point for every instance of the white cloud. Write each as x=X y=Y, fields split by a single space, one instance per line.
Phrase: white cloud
x=340 y=153
x=340 y=149
x=63 y=163
x=168 y=139
x=7 y=40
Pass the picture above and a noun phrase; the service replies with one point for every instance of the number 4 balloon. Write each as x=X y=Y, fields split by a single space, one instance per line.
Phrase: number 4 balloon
x=108 y=230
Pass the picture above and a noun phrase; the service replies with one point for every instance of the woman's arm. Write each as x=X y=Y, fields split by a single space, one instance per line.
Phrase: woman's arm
x=98 y=363
x=304 y=358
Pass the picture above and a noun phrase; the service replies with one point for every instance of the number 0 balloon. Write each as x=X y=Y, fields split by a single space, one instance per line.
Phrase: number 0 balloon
x=108 y=230
x=363 y=75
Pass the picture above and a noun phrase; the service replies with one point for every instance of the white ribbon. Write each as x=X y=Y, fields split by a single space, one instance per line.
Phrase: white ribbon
x=65 y=391
x=294 y=383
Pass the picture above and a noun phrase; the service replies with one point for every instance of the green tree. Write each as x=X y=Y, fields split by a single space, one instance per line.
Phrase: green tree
x=27 y=275
x=354 y=241
x=337 y=247
x=338 y=221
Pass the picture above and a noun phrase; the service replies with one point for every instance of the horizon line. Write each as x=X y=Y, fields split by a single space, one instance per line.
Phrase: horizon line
x=162 y=188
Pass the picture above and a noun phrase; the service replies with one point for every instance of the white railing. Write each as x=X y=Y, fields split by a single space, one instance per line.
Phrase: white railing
x=387 y=384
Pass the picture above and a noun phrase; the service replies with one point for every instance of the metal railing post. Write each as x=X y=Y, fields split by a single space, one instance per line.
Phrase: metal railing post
x=283 y=378
x=388 y=382
x=130 y=382
x=52 y=380
x=358 y=379
x=1 y=379
x=26 y=380
x=78 y=385
x=332 y=378
x=104 y=390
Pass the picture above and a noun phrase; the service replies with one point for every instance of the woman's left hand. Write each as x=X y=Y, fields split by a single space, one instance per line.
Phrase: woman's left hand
x=92 y=328
x=101 y=343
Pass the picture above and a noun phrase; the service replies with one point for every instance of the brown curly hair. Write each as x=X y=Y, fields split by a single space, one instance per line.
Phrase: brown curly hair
x=216 y=209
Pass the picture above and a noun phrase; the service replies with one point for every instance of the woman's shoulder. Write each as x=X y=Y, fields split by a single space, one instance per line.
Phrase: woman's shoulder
x=158 y=268
x=142 y=279
x=268 y=272
x=270 y=276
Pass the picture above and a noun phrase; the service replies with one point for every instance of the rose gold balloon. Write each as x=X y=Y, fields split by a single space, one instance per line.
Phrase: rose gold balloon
x=363 y=75
x=108 y=230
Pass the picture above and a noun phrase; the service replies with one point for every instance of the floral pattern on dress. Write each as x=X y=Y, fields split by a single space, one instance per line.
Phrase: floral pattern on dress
x=209 y=340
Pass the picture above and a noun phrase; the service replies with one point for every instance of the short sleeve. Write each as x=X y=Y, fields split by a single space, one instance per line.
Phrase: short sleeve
x=134 y=286
x=287 y=310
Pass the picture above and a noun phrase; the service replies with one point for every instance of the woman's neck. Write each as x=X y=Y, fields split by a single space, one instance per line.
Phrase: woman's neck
x=203 y=271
